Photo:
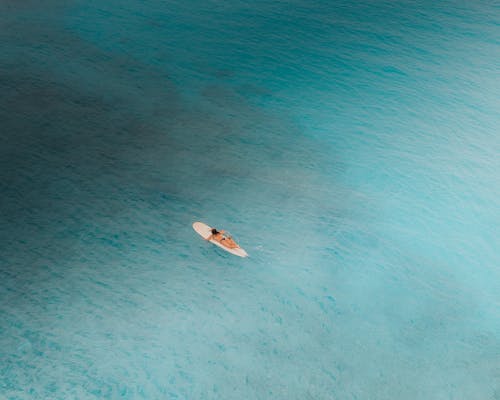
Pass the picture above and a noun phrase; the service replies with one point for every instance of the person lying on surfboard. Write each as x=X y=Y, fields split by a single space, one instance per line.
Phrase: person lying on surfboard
x=222 y=239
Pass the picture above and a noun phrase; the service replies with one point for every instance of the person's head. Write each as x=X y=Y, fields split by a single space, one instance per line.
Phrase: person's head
x=214 y=231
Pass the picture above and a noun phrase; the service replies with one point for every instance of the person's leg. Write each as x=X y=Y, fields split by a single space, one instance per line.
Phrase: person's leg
x=231 y=243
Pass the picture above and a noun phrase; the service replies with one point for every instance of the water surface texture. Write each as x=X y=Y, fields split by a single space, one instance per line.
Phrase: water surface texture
x=351 y=147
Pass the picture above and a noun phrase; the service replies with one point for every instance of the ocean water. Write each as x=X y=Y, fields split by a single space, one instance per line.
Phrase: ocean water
x=353 y=150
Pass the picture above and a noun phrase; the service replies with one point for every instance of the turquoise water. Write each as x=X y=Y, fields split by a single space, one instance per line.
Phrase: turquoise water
x=351 y=148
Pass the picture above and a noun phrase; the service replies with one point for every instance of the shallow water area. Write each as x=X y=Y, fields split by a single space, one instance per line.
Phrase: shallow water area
x=351 y=148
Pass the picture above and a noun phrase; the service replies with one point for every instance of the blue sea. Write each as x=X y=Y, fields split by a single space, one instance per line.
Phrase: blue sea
x=352 y=148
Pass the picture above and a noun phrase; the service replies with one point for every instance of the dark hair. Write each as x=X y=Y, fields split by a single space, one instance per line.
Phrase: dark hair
x=214 y=231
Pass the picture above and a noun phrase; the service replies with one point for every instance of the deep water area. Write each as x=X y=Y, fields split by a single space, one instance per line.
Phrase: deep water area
x=352 y=149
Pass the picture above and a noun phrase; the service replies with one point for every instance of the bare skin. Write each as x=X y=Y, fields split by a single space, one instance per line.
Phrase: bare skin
x=224 y=240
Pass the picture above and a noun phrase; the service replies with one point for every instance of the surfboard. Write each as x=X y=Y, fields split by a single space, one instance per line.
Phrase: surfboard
x=205 y=231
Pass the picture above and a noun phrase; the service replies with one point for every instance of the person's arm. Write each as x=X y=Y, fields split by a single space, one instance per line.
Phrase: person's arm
x=210 y=237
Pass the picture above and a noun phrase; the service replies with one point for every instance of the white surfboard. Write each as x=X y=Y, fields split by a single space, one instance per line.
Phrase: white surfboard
x=205 y=231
